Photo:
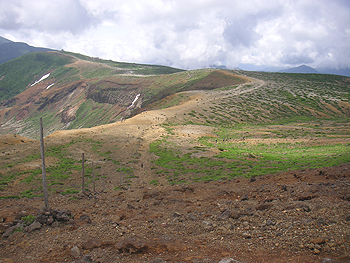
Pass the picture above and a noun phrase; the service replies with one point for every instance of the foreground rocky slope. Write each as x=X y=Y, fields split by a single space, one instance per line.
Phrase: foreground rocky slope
x=297 y=216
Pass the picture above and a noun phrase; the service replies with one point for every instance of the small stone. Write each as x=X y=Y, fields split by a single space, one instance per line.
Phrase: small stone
x=229 y=260
x=316 y=251
x=50 y=220
x=3 y=227
x=328 y=260
x=42 y=219
x=36 y=225
x=21 y=214
x=318 y=240
x=91 y=244
x=62 y=216
x=55 y=224
x=311 y=246
x=331 y=244
x=263 y=206
x=176 y=214
x=224 y=215
x=244 y=197
x=246 y=235
x=269 y=222
x=306 y=208
x=9 y=231
x=207 y=224
x=85 y=218
x=247 y=212
x=15 y=235
x=130 y=206
x=132 y=245
x=157 y=260
x=305 y=198
x=87 y=258
x=192 y=217
x=75 y=252
x=235 y=214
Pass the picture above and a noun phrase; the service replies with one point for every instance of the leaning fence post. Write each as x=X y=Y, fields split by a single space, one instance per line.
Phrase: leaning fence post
x=83 y=173
x=42 y=152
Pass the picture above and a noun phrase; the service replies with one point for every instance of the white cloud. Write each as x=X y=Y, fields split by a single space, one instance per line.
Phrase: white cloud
x=187 y=33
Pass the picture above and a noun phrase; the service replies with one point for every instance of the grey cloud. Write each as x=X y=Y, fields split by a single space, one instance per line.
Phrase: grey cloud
x=242 y=33
x=297 y=59
x=45 y=16
x=188 y=34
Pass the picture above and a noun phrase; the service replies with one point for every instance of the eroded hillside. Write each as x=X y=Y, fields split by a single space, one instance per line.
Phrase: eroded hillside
x=72 y=91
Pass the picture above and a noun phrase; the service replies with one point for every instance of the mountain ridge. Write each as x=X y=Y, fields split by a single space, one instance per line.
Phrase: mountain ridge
x=10 y=50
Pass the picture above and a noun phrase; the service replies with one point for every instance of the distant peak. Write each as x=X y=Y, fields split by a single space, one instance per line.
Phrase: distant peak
x=300 y=69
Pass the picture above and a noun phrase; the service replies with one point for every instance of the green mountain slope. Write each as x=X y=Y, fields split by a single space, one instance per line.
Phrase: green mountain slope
x=70 y=90
x=18 y=74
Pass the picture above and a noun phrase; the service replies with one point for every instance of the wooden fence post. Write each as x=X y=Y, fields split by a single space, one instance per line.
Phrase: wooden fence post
x=83 y=175
x=102 y=180
x=121 y=173
x=93 y=176
x=42 y=152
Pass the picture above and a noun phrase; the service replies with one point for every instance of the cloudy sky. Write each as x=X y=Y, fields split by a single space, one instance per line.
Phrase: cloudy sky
x=187 y=34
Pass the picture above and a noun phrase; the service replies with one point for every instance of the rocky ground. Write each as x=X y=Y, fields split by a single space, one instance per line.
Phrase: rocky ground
x=297 y=216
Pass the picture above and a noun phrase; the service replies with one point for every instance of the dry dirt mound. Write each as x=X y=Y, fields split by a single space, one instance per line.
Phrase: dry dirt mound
x=12 y=139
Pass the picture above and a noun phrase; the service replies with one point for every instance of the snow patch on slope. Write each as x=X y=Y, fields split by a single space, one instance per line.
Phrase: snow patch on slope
x=50 y=86
x=42 y=78
x=136 y=98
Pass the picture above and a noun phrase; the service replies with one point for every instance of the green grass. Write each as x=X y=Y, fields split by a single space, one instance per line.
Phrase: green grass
x=154 y=182
x=241 y=159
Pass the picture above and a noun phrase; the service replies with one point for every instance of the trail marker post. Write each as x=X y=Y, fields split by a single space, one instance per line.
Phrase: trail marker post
x=42 y=152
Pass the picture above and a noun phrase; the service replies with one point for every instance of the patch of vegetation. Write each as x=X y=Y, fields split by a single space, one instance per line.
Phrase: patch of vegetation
x=154 y=182
x=10 y=197
x=29 y=219
x=237 y=158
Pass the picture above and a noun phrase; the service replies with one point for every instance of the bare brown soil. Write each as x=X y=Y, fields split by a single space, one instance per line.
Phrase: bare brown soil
x=295 y=216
